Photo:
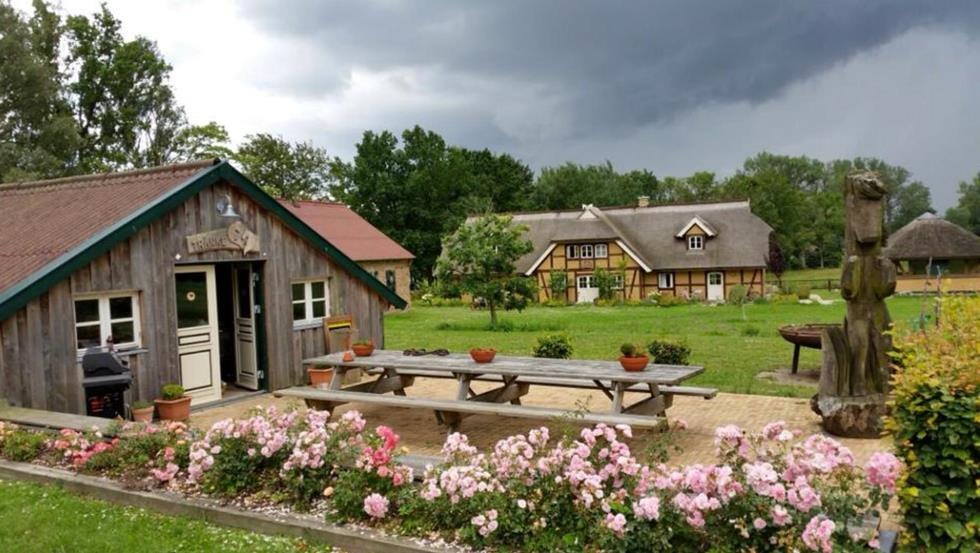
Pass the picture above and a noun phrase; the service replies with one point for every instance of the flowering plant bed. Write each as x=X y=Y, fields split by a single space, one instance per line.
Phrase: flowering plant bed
x=769 y=491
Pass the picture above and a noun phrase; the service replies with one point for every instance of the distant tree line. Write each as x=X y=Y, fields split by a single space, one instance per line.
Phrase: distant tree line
x=76 y=97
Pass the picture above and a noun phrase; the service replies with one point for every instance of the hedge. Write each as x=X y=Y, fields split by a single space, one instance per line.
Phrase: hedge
x=936 y=428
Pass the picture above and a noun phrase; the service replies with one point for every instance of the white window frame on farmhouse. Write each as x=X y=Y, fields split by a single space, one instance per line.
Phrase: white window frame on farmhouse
x=665 y=280
x=601 y=251
x=571 y=251
x=106 y=320
x=695 y=242
x=586 y=251
x=308 y=301
x=619 y=282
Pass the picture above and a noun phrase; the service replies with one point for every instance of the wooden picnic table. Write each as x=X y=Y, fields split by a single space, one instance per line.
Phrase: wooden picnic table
x=395 y=372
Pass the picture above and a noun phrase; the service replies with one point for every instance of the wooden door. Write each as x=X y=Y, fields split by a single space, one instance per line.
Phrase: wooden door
x=246 y=365
x=716 y=286
x=587 y=290
x=197 y=332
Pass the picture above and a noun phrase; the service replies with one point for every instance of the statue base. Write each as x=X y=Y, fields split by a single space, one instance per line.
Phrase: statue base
x=851 y=417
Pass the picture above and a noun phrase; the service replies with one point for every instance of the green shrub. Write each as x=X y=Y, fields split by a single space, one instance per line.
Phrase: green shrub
x=171 y=392
x=782 y=299
x=934 y=423
x=803 y=291
x=553 y=346
x=557 y=285
x=667 y=352
x=17 y=444
x=738 y=295
x=666 y=300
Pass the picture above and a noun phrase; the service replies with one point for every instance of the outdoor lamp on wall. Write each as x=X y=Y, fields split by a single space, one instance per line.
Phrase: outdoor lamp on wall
x=225 y=209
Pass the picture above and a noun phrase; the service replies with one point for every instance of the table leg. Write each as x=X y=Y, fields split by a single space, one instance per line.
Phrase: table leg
x=337 y=382
x=619 y=390
x=796 y=358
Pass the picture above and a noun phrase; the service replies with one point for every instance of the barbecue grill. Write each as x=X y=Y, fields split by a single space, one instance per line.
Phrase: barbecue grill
x=106 y=377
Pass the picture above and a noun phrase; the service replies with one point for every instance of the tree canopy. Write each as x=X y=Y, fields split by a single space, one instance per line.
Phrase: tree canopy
x=966 y=212
x=479 y=259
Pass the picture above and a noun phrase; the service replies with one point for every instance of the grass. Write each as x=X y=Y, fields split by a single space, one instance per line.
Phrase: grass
x=48 y=519
x=832 y=273
x=732 y=351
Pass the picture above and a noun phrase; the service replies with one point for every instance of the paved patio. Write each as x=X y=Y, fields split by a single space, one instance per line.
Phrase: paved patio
x=422 y=435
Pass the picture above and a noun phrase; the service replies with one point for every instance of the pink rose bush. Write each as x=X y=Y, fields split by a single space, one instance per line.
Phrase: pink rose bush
x=771 y=490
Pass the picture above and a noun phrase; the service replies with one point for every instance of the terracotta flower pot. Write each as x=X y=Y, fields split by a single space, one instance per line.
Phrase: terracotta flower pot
x=363 y=350
x=143 y=414
x=320 y=376
x=634 y=364
x=483 y=355
x=174 y=409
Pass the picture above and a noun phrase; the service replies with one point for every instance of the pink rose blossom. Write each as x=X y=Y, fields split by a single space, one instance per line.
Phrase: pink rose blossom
x=376 y=506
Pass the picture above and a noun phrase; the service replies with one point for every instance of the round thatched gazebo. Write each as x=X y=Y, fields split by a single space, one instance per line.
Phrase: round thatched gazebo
x=930 y=249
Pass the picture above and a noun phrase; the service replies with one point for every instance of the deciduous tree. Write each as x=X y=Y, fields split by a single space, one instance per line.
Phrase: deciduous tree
x=966 y=212
x=480 y=258
x=293 y=171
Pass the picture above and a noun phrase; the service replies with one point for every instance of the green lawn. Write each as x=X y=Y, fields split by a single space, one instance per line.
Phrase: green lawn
x=809 y=274
x=47 y=519
x=717 y=334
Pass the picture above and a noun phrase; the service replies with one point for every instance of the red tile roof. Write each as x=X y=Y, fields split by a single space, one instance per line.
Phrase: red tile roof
x=342 y=227
x=40 y=221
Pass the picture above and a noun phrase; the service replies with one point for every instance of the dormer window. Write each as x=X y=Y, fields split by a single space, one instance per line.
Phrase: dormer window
x=695 y=242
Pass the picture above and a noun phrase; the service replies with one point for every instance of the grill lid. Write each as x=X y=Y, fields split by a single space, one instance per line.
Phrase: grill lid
x=97 y=362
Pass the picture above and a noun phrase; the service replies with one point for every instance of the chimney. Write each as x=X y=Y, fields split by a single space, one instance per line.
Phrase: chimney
x=643 y=201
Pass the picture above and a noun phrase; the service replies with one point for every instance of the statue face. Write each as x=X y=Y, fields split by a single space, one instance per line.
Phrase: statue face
x=867 y=209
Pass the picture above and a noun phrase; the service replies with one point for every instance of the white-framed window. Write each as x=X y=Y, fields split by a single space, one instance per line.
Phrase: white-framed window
x=715 y=279
x=695 y=242
x=311 y=301
x=586 y=281
x=601 y=251
x=665 y=280
x=99 y=316
x=586 y=251
x=390 y=279
x=571 y=251
x=618 y=282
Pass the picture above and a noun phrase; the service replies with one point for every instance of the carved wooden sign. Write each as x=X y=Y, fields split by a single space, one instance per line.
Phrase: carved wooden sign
x=235 y=237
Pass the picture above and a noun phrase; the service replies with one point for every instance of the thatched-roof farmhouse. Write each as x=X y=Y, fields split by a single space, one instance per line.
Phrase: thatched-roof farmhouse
x=699 y=250
x=930 y=250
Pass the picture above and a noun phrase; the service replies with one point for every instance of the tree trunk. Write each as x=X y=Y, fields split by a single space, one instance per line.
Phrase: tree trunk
x=493 y=313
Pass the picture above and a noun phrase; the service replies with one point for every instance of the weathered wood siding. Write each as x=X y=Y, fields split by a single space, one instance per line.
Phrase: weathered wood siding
x=38 y=358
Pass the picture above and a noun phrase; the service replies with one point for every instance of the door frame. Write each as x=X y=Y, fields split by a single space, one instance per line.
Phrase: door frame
x=708 y=285
x=212 y=392
x=236 y=306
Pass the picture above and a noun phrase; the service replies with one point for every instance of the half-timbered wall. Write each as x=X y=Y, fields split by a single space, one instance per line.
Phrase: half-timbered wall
x=638 y=284
x=38 y=357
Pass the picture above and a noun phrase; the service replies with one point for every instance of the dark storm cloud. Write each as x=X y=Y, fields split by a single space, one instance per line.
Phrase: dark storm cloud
x=608 y=67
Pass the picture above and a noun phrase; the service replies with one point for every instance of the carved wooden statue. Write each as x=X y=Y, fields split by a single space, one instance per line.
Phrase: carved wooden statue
x=854 y=377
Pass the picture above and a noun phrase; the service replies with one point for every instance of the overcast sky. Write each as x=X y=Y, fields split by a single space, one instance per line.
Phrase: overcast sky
x=673 y=87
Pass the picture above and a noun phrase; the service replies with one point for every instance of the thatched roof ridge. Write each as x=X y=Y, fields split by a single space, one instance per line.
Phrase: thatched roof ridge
x=932 y=236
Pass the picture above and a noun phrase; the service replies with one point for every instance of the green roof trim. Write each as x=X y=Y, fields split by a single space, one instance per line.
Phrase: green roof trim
x=18 y=295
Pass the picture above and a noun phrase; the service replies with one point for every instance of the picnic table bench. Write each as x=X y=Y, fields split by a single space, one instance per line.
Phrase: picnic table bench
x=395 y=372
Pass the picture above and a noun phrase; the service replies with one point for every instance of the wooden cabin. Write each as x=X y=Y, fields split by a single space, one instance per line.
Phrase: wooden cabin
x=931 y=252
x=696 y=251
x=196 y=275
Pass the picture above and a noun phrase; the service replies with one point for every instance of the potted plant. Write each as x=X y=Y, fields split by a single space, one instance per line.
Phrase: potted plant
x=320 y=375
x=174 y=405
x=631 y=360
x=363 y=348
x=483 y=355
x=142 y=411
